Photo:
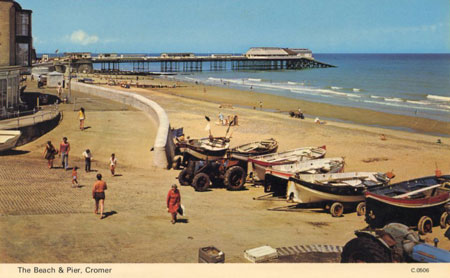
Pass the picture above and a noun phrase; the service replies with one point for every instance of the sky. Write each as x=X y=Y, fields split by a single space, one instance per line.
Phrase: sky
x=233 y=26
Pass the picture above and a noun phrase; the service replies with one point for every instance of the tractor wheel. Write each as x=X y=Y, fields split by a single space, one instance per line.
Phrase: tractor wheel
x=201 y=182
x=425 y=225
x=361 y=209
x=235 y=178
x=337 y=209
x=176 y=163
x=444 y=220
x=184 y=177
x=365 y=250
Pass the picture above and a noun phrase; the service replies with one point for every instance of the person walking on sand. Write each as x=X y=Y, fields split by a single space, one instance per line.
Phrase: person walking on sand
x=87 y=160
x=113 y=164
x=74 y=176
x=59 y=90
x=98 y=194
x=173 y=202
x=82 y=117
x=64 y=149
x=49 y=154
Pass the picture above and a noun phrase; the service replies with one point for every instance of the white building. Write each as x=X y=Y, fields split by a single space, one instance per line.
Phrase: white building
x=278 y=52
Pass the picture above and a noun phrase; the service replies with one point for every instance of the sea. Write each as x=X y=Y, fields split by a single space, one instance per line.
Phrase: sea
x=407 y=84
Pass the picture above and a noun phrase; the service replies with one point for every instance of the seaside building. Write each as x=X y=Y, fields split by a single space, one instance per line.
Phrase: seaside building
x=16 y=52
x=278 y=52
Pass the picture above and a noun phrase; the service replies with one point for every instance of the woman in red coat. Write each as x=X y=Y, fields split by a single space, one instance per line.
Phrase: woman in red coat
x=173 y=202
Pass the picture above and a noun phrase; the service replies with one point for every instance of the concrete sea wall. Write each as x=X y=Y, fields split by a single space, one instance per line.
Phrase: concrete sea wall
x=164 y=148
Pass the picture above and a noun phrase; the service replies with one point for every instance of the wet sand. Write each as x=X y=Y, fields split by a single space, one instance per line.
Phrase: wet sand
x=63 y=228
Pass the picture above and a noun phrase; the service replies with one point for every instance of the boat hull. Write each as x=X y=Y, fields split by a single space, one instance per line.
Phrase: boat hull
x=8 y=139
x=394 y=204
x=260 y=164
x=303 y=192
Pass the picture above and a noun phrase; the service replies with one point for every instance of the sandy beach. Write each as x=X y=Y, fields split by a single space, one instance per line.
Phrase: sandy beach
x=52 y=222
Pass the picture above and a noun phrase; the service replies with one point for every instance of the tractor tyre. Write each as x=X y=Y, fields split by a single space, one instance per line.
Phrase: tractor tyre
x=184 y=178
x=235 y=178
x=201 y=182
x=365 y=250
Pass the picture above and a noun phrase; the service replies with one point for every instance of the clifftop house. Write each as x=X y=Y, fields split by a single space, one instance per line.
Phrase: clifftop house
x=16 y=48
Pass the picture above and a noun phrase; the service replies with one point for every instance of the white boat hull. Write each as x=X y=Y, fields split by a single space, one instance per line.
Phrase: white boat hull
x=8 y=139
x=304 y=195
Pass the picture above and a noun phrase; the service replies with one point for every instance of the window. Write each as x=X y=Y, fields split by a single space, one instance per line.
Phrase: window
x=3 y=92
x=22 y=54
x=23 y=24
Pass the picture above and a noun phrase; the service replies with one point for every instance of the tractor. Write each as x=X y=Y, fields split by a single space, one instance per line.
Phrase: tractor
x=202 y=174
x=393 y=243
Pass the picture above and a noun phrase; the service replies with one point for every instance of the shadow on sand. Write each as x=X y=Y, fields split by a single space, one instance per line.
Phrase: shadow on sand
x=13 y=152
x=109 y=213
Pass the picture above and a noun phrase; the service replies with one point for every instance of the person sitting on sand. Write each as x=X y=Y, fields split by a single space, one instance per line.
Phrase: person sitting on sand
x=318 y=121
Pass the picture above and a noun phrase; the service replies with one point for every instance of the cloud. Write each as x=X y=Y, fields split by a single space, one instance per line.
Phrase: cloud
x=83 y=38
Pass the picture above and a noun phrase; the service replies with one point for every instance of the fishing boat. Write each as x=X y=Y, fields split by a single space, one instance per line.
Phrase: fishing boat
x=243 y=152
x=261 y=163
x=277 y=176
x=416 y=203
x=333 y=190
x=212 y=148
x=8 y=139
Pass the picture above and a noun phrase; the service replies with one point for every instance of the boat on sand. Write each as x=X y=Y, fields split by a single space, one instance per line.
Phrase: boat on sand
x=8 y=139
x=243 y=152
x=333 y=190
x=261 y=163
x=416 y=203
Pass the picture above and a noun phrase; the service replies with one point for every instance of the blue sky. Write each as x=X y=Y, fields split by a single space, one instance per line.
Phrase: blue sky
x=233 y=26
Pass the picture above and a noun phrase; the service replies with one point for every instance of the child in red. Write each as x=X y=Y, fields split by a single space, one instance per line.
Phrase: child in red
x=74 y=176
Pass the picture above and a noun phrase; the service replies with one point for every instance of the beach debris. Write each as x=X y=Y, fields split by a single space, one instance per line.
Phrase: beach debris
x=260 y=254
x=375 y=159
x=382 y=137
x=210 y=254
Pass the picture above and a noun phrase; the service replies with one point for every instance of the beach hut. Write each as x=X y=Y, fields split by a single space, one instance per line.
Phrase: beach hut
x=53 y=78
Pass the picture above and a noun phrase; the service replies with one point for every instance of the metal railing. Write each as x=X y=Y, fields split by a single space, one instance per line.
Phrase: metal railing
x=31 y=117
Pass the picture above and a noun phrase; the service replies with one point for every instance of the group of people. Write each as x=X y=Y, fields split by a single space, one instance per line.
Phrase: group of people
x=230 y=119
x=98 y=193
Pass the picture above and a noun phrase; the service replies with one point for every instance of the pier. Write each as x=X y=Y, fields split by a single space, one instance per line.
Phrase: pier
x=254 y=59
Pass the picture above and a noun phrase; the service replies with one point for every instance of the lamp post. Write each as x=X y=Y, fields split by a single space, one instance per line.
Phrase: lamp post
x=70 y=79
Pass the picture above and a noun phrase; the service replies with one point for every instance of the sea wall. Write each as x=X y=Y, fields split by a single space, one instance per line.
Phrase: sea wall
x=164 y=148
x=33 y=131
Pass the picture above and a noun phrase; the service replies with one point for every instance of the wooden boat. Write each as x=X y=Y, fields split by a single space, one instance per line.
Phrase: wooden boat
x=417 y=203
x=257 y=148
x=333 y=189
x=260 y=163
x=8 y=139
x=204 y=148
x=277 y=176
